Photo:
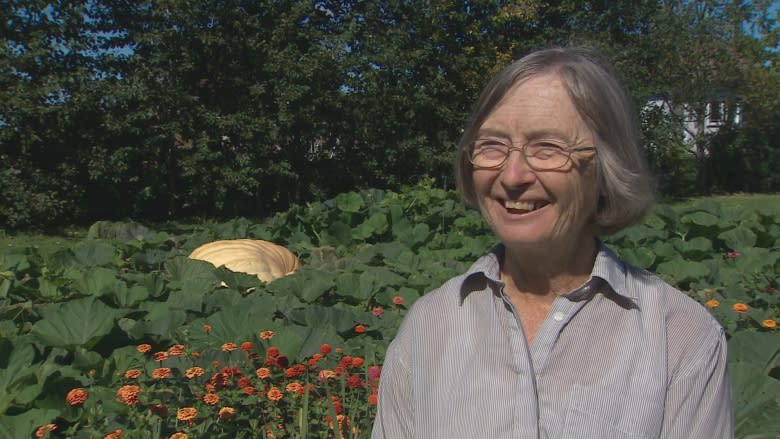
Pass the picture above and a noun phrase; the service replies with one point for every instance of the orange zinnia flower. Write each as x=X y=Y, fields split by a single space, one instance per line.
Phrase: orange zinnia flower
x=186 y=414
x=144 y=348
x=325 y=348
x=77 y=396
x=160 y=356
x=179 y=435
x=266 y=335
x=44 y=429
x=274 y=394
x=116 y=434
x=360 y=329
x=132 y=374
x=357 y=362
x=226 y=412
x=207 y=328
x=740 y=308
x=176 y=350
x=263 y=373
x=229 y=347
x=247 y=346
x=373 y=399
x=712 y=303
x=193 y=372
x=211 y=398
x=769 y=323
x=128 y=394
x=295 y=387
x=161 y=373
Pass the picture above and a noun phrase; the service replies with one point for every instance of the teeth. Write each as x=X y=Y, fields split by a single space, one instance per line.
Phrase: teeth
x=519 y=205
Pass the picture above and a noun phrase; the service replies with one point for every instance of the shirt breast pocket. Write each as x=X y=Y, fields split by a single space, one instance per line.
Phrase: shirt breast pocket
x=603 y=414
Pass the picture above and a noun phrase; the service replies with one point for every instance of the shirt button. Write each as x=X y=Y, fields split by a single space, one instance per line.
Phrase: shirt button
x=558 y=316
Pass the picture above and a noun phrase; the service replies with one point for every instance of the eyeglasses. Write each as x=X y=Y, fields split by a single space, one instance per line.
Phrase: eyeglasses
x=541 y=155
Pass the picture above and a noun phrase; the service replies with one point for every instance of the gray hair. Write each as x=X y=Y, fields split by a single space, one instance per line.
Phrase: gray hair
x=624 y=183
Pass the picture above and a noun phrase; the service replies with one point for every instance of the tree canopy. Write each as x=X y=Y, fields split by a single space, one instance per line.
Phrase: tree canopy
x=219 y=108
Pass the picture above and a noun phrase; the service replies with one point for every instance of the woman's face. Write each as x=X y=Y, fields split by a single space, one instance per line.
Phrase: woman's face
x=539 y=210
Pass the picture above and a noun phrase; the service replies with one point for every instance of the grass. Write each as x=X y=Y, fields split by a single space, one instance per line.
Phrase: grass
x=47 y=243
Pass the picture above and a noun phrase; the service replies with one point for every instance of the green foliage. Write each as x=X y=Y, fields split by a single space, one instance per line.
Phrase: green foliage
x=114 y=110
x=72 y=317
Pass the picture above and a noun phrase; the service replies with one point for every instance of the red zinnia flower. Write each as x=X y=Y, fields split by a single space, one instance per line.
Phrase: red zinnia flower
x=77 y=396
x=360 y=329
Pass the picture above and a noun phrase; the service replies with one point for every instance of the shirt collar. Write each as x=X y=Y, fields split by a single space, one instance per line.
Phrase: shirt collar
x=607 y=277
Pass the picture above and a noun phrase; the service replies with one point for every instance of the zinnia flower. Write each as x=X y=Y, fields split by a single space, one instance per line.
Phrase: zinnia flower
x=160 y=356
x=360 y=329
x=144 y=348
x=263 y=373
x=769 y=323
x=357 y=361
x=226 y=412
x=161 y=373
x=733 y=255
x=211 y=398
x=295 y=387
x=116 y=434
x=247 y=346
x=193 y=372
x=229 y=347
x=354 y=382
x=373 y=398
x=77 y=396
x=274 y=394
x=128 y=394
x=712 y=303
x=44 y=429
x=179 y=435
x=374 y=371
x=377 y=311
x=186 y=414
x=133 y=374
x=398 y=300
x=266 y=335
x=325 y=348
x=207 y=328
x=176 y=350
x=740 y=308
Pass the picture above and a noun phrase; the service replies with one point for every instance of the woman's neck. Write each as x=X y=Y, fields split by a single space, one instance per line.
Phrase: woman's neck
x=546 y=272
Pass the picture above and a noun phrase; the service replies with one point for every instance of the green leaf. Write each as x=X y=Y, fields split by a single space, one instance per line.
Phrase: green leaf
x=81 y=322
x=350 y=202
x=642 y=257
x=699 y=218
x=739 y=238
x=682 y=270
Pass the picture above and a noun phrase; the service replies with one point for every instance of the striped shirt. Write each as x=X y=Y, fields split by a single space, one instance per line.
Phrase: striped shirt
x=624 y=356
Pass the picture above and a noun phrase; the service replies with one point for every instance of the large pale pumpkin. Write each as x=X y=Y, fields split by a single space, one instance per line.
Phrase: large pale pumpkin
x=264 y=259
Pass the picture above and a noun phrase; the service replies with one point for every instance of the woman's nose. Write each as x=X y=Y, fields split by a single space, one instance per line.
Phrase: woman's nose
x=516 y=171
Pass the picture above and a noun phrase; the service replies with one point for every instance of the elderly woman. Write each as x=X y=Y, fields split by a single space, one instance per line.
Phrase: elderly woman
x=551 y=335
